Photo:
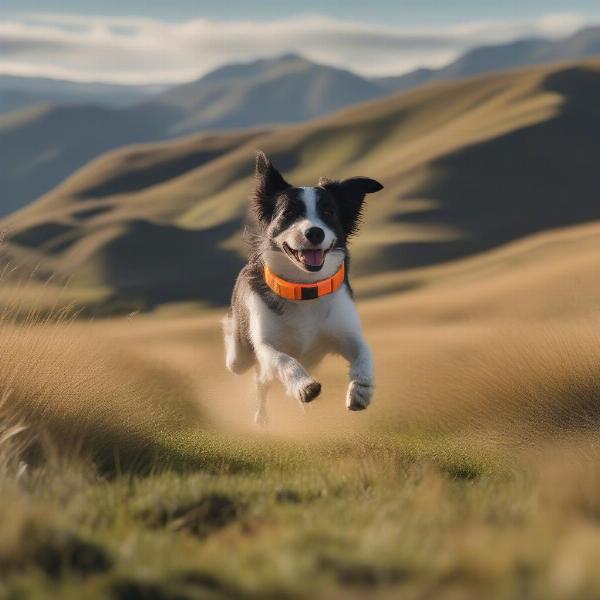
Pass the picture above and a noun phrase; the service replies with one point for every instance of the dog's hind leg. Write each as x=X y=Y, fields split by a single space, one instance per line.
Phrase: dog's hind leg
x=362 y=378
x=261 y=418
x=238 y=356
x=352 y=345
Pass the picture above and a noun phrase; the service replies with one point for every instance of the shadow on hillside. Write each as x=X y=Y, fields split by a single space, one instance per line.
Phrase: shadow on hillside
x=156 y=263
x=141 y=178
x=50 y=147
x=536 y=178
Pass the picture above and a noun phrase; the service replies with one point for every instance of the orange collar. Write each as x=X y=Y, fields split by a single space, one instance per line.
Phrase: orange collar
x=305 y=291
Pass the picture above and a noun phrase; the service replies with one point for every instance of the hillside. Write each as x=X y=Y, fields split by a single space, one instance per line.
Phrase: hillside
x=467 y=166
x=44 y=144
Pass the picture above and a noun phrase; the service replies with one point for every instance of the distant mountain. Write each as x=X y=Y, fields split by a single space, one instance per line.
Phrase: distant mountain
x=161 y=222
x=287 y=89
x=406 y=82
x=41 y=146
x=17 y=93
x=521 y=53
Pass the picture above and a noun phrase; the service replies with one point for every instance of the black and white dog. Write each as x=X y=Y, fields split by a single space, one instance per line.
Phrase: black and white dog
x=292 y=303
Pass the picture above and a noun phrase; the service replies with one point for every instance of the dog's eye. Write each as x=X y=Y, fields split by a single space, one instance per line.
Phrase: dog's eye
x=327 y=213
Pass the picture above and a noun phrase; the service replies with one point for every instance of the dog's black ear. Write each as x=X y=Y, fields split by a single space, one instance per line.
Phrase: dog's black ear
x=269 y=183
x=350 y=195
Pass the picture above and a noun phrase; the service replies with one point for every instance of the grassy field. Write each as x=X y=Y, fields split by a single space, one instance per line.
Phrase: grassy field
x=129 y=467
x=413 y=511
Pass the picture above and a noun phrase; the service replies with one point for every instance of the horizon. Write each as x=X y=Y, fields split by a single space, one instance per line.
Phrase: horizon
x=149 y=49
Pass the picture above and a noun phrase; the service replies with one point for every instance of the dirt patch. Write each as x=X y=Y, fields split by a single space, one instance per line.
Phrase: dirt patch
x=200 y=518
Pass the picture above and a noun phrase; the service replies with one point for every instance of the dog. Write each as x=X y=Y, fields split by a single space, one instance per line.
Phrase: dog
x=292 y=302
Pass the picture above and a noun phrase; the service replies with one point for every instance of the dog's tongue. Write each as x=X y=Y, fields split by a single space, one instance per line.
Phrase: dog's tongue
x=313 y=258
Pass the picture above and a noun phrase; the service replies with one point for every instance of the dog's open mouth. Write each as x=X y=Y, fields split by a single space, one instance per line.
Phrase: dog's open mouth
x=310 y=259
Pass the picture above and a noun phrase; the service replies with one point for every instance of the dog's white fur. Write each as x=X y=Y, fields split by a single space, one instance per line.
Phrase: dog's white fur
x=286 y=345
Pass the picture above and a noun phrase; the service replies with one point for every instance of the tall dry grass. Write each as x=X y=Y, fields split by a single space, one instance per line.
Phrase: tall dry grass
x=71 y=390
x=516 y=379
x=475 y=474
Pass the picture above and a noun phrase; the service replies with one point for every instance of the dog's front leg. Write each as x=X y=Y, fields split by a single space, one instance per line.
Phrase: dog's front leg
x=297 y=382
x=362 y=373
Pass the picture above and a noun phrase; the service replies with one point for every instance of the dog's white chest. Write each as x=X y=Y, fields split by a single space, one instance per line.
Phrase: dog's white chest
x=308 y=329
x=303 y=328
x=305 y=324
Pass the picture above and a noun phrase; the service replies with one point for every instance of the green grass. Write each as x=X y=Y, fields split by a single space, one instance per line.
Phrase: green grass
x=406 y=514
x=289 y=520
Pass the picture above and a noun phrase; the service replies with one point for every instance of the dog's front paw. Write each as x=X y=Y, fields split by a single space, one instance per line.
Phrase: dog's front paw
x=359 y=394
x=307 y=391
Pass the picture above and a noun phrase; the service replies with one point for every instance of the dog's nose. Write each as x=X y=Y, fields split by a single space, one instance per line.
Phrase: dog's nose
x=315 y=235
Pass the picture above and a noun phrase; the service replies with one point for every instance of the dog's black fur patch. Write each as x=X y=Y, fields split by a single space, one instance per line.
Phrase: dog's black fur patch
x=349 y=196
x=269 y=184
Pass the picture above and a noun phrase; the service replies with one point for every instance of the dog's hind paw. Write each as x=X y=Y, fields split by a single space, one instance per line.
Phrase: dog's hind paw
x=359 y=395
x=308 y=392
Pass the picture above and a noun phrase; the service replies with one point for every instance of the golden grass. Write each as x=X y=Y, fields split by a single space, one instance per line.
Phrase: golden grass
x=79 y=393
x=474 y=473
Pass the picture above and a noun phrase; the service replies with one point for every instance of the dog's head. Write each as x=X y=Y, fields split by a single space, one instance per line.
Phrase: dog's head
x=307 y=223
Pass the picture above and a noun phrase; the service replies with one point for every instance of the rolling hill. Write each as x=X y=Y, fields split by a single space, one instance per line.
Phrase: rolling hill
x=44 y=144
x=468 y=167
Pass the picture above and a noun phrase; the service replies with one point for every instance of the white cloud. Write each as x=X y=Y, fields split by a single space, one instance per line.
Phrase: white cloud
x=139 y=50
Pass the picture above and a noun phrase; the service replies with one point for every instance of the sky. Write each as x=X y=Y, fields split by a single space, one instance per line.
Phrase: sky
x=171 y=41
